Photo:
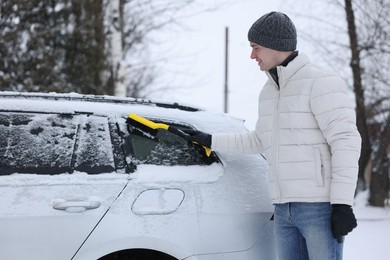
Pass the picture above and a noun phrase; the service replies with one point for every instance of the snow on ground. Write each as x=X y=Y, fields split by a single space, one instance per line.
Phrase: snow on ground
x=370 y=240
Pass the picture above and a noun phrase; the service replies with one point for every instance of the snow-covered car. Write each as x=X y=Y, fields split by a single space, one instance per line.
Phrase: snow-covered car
x=77 y=182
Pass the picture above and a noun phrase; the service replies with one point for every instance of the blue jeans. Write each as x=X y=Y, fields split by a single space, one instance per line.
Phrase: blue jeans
x=302 y=232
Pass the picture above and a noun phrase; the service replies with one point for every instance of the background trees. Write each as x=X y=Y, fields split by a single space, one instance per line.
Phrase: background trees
x=66 y=45
x=53 y=46
x=370 y=63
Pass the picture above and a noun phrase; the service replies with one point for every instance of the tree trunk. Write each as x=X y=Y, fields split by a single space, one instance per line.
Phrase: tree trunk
x=116 y=48
x=361 y=119
x=380 y=182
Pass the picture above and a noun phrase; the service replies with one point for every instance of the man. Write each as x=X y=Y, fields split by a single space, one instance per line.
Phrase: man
x=306 y=128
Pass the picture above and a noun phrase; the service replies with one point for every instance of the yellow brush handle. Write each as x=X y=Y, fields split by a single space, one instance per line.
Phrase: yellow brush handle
x=154 y=125
x=147 y=122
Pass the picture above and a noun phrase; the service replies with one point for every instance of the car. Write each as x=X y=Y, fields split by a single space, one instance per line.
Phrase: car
x=79 y=181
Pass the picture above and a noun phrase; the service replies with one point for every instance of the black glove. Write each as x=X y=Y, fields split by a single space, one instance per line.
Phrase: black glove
x=198 y=137
x=342 y=221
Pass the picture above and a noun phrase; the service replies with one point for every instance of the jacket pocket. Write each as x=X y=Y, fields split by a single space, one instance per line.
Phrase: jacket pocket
x=318 y=167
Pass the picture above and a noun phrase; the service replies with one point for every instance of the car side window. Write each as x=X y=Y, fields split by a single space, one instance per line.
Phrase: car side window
x=163 y=148
x=43 y=143
x=93 y=150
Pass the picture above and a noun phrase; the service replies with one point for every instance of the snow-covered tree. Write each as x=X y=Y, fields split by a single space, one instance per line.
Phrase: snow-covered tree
x=84 y=46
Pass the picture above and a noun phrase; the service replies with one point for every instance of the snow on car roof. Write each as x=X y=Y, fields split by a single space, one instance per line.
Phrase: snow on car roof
x=210 y=121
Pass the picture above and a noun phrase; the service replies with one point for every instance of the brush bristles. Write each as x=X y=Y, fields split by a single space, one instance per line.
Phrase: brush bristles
x=137 y=127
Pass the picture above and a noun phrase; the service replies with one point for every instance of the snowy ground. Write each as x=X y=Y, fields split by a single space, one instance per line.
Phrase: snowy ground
x=370 y=240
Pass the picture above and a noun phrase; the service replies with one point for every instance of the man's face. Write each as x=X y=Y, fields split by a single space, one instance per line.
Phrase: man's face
x=266 y=58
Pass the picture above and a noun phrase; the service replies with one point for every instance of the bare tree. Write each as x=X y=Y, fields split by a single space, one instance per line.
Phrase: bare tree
x=139 y=20
x=374 y=49
x=357 y=71
x=380 y=182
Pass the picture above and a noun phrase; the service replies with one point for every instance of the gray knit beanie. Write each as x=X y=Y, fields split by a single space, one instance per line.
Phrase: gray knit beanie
x=274 y=30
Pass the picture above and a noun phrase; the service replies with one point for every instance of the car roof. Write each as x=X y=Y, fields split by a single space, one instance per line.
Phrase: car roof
x=73 y=103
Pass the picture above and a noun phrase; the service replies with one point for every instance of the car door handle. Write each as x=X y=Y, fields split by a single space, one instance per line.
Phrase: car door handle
x=76 y=206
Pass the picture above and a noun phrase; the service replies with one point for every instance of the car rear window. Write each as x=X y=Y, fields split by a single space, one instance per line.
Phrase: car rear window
x=54 y=143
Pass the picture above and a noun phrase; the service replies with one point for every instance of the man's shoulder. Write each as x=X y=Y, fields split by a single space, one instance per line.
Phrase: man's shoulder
x=314 y=70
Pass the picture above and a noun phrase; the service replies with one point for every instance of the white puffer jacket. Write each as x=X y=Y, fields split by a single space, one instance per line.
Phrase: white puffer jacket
x=307 y=130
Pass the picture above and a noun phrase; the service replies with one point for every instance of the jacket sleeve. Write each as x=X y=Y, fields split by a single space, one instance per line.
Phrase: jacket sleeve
x=333 y=109
x=238 y=143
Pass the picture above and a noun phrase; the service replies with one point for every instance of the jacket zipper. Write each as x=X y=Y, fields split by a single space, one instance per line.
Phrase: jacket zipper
x=276 y=143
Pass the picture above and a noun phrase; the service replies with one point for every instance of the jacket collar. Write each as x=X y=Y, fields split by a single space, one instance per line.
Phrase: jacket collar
x=288 y=68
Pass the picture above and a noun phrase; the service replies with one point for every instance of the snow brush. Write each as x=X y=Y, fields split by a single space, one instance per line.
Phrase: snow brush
x=140 y=122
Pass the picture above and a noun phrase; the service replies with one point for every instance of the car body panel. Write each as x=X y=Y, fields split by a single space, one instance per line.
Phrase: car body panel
x=32 y=229
x=203 y=224
x=192 y=212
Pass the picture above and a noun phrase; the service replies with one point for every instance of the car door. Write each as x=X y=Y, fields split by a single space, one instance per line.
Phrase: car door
x=59 y=174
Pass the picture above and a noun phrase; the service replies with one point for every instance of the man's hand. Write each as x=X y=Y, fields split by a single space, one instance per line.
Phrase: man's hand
x=198 y=137
x=342 y=220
